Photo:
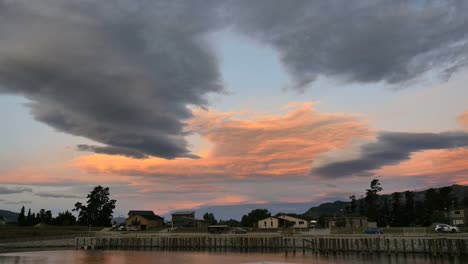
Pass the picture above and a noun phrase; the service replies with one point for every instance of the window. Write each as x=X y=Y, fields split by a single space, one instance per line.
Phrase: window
x=301 y=222
x=458 y=222
x=457 y=212
x=272 y=223
x=264 y=223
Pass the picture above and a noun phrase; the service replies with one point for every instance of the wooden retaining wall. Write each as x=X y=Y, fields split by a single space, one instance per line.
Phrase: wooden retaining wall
x=453 y=246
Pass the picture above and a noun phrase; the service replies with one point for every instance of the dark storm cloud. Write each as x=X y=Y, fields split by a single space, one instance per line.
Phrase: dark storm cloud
x=362 y=41
x=5 y=190
x=113 y=151
x=58 y=195
x=389 y=149
x=122 y=73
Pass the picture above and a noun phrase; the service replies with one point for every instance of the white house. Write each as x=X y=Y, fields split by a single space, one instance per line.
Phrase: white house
x=298 y=223
x=282 y=221
x=268 y=223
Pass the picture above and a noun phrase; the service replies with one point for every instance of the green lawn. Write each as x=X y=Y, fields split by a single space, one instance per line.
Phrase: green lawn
x=11 y=232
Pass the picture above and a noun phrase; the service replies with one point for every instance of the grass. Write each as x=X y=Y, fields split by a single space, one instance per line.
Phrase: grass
x=385 y=230
x=9 y=232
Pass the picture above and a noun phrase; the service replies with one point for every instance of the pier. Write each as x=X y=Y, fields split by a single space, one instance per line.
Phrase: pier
x=365 y=244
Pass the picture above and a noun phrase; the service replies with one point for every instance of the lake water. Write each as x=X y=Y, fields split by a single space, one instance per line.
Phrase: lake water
x=167 y=257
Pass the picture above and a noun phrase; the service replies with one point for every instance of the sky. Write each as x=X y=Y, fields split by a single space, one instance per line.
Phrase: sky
x=188 y=104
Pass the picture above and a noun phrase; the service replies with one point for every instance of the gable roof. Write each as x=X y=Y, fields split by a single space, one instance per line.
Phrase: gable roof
x=285 y=217
x=146 y=214
x=271 y=217
x=140 y=212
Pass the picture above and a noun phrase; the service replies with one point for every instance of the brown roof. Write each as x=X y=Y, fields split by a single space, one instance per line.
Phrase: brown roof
x=145 y=214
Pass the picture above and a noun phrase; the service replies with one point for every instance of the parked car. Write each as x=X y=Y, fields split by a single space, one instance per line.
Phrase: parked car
x=373 y=230
x=440 y=228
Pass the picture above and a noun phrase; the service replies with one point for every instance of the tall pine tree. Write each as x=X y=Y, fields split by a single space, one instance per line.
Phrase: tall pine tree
x=22 y=217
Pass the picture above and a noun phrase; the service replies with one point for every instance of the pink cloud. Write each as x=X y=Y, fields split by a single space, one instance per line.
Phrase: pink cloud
x=436 y=166
x=270 y=145
x=463 y=119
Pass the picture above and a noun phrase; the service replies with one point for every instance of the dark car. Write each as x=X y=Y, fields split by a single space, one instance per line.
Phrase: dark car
x=372 y=231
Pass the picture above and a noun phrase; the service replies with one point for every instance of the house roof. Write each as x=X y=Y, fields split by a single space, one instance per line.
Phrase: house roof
x=271 y=217
x=285 y=216
x=183 y=212
x=140 y=212
x=146 y=214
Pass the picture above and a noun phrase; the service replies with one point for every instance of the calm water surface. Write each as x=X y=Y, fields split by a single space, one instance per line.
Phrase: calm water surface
x=160 y=257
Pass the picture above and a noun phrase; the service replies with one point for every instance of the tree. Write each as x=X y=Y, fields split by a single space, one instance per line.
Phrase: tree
x=431 y=204
x=409 y=216
x=252 y=218
x=30 y=218
x=396 y=209
x=372 y=199
x=83 y=218
x=65 y=218
x=448 y=201
x=230 y=222
x=45 y=216
x=384 y=213
x=21 y=217
x=210 y=218
x=99 y=208
x=353 y=204
x=362 y=206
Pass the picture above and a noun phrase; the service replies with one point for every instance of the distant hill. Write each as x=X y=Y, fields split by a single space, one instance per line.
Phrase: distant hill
x=459 y=191
x=119 y=219
x=9 y=216
x=326 y=209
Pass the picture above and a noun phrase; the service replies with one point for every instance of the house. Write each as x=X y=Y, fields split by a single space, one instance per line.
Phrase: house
x=297 y=223
x=282 y=221
x=346 y=221
x=187 y=219
x=458 y=217
x=269 y=223
x=143 y=220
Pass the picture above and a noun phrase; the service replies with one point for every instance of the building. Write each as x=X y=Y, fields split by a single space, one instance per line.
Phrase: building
x=143 y=220
x=297 y=223
x=346 y=222
x=187 y=219
x=269 y=223
x=458 y=217
x=282 y=221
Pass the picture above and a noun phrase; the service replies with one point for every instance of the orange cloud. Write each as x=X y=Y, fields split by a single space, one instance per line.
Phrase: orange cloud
x=233 y=199
x=52 y=174
x=269 y=145
x=451 y=165
x=463 y=119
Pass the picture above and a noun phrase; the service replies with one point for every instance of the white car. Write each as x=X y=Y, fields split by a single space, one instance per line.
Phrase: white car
x=446 y=228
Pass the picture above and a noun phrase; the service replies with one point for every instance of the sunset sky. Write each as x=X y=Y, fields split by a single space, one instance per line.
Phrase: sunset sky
x=182 y=104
